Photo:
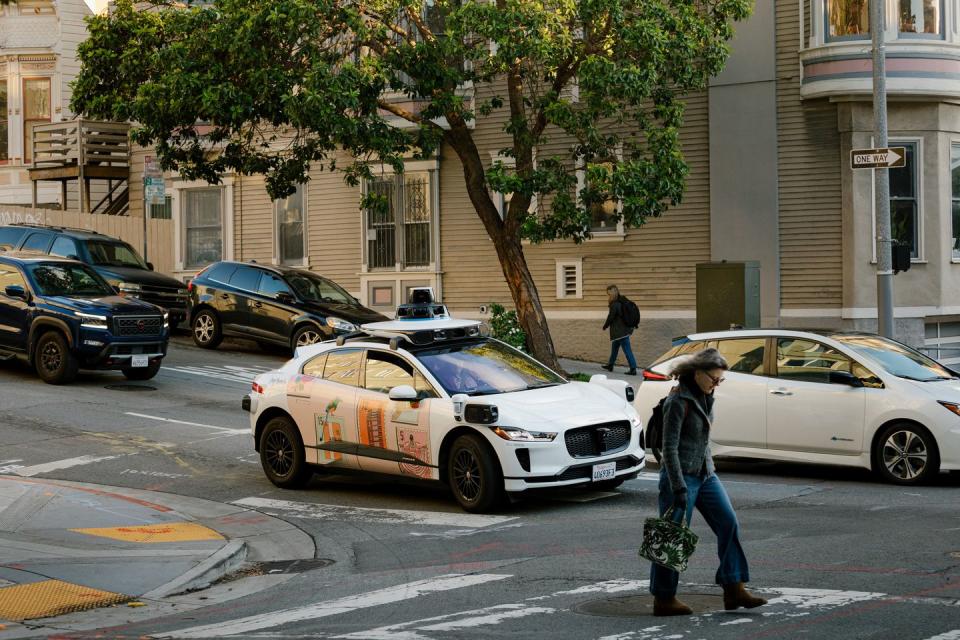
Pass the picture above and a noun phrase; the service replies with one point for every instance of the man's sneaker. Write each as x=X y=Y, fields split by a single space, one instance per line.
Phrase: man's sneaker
x=607 y=367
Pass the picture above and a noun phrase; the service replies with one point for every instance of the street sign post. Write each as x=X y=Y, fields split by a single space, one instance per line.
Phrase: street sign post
x=887 y=158
x=154 y=192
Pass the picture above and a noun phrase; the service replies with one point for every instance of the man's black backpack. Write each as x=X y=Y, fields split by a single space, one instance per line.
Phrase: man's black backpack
x=630 y=312
x=653 y=432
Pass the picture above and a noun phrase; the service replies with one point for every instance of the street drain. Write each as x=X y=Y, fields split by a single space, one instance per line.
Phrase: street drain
x=642 y=605
x=129 y=387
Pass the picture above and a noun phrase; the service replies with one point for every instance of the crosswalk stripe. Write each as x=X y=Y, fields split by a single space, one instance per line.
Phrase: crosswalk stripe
x=949 y=635
x=389 y=595
x=57 y=465
x=336 y=512
x=464 y=620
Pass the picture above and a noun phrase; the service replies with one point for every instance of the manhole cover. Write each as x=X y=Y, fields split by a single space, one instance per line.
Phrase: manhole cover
x=129 y=387
x=642 y=605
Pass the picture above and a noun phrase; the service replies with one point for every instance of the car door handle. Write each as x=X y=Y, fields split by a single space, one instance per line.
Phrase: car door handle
x=780 y=392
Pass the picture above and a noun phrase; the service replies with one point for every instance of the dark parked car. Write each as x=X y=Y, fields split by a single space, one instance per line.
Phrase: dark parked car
x=61 y=316
x=114 y=259
x=272 y=305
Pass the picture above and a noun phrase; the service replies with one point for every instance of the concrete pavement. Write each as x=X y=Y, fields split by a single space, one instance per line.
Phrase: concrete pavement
x=67 y=546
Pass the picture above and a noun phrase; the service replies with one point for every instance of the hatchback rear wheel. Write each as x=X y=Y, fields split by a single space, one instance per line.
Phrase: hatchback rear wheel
x=906 y=453
x=282 y=455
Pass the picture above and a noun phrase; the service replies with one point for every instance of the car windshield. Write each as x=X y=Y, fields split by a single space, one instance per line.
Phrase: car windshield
x=114 y=254
x=486 y=368
x=68 y=280
x=313 y=288
x=898 y=359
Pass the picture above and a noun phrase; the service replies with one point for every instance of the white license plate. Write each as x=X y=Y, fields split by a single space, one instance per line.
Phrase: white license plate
x=605 y=471
x=143 y=361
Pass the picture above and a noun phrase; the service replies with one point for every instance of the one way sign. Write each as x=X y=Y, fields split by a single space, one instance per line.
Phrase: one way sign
x=878 y=158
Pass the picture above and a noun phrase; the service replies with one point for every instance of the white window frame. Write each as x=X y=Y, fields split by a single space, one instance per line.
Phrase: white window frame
x=561 y=280
x=277 y=257
x=921 y=257
x=226 y=213
x=613 y=234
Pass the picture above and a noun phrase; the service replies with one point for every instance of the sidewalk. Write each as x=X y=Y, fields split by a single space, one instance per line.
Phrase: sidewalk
x=594 y=368
x=67 y=547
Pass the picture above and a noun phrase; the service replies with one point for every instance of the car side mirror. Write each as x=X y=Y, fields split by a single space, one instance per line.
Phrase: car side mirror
x=150 y=266
x=844 y=377
x=16 y=291
x=404 y=393
x=284 y=296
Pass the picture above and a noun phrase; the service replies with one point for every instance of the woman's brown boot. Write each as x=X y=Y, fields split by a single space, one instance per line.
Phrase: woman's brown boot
x=735 y=596
x=670 y=607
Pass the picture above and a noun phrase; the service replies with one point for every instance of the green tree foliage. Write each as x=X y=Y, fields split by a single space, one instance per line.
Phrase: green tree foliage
x=278 y=86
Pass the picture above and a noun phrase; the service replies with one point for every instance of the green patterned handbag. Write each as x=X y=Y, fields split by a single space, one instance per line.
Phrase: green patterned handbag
x=667 y=543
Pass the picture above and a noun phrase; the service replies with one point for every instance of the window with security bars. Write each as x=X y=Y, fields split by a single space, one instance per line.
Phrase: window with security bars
x=569 y=279
x=162 y=211
x=399 y=232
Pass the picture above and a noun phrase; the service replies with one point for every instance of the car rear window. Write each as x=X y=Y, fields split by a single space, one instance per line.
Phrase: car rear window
x=220 y=272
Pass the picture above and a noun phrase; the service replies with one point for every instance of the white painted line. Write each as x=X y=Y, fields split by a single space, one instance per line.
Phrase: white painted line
x=822 y=598
x=949 y=635
x=56 y=465
x=346 y=604
x=649 y=476
x=387 y=516
x=189 y=424
x=449 y=622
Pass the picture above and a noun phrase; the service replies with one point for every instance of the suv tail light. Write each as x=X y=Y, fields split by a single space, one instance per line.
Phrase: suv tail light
x=653 y=375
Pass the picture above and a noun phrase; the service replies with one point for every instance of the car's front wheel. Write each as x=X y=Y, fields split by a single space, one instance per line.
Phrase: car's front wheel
x=305 y=336
x=142 y=373
x=206 y=329
x=906 y=453
x=53 y=360
x=474 y=474
x=282 y=455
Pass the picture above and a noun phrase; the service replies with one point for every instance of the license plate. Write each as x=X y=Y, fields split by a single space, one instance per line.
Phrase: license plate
x=605 y=471
x=143 y=361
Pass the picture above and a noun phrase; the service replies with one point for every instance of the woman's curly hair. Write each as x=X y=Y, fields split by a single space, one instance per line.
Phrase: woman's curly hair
x=700 y=361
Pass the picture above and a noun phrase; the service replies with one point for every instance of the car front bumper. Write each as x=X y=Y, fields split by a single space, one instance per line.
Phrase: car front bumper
x=627 y=467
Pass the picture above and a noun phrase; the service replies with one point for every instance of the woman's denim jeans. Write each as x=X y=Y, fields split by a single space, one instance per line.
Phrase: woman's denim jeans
x=711 y=500
x=615 y=346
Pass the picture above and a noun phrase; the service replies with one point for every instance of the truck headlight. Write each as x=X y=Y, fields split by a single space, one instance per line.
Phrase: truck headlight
x=91 y=321
x=166 y=320
x=339 y=324
x=127 y=289
x=522 y=435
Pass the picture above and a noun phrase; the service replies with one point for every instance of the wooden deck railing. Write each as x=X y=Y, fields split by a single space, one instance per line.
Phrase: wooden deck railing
x=80 y=142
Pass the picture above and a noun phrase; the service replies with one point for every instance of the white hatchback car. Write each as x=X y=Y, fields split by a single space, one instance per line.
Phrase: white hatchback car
x=432 y=398
x=843 y=398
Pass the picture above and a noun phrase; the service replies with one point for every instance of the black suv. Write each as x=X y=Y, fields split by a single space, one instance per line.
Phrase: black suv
x=114 y=259
x=270 y=304
x=61 y=316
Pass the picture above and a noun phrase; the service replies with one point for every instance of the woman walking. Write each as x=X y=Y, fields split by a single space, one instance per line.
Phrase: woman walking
x=688 y=479
x=620 y=330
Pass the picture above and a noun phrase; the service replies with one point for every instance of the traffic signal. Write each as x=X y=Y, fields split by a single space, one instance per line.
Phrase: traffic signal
x=901 y=256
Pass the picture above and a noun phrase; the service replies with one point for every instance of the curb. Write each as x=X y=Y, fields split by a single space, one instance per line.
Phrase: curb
x=224 y=561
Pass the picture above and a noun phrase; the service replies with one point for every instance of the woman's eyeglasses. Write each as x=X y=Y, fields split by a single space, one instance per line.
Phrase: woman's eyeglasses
x=716 y=381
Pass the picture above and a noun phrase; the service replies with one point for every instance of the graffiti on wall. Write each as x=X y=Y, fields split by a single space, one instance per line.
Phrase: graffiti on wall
x=11 y=217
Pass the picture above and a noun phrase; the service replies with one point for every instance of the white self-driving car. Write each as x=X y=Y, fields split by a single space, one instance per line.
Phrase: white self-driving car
x=430 y=397
x=833 y=397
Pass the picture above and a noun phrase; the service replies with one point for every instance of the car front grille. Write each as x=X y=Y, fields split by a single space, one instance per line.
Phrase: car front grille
x=598 y=439
x=164 y=296
x=137 y=325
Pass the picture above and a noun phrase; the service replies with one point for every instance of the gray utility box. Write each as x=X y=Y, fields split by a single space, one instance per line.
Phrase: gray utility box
x=728 y=293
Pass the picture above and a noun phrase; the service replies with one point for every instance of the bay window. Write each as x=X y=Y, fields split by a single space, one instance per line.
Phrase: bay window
x=920 y=18
x=847 y=19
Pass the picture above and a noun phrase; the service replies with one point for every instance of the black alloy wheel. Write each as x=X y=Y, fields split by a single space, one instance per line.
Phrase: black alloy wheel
x=282 y=454
x=474 y=475
x=906 y=454
x=53 y=359
x=206 y=329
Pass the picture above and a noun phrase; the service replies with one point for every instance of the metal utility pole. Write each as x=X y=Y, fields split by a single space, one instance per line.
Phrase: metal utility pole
x=882 y=175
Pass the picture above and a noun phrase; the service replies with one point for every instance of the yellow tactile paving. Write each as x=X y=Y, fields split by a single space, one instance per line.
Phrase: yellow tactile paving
x=167 y=532
x=52 y=598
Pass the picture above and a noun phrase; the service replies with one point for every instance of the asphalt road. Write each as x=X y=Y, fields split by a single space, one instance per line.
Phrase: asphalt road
x=839 y=555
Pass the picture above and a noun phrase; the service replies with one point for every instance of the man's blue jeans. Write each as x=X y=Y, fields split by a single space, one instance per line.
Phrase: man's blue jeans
x=711 y=500
x=615 y=346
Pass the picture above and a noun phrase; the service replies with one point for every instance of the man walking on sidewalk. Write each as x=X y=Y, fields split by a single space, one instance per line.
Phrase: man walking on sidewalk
x=622 y=318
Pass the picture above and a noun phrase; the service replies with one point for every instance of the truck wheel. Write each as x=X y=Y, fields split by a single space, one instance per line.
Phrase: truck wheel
x=53 y=360
x=142 y=373
x=474 y=474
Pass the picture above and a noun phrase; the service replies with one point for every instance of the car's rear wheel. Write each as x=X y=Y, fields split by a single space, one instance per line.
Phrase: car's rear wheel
x=906 y=453
x=282 y=454
x=206 y=329
x=305 y=336
x=53 y=360
x=142 y=373
x=474 y=474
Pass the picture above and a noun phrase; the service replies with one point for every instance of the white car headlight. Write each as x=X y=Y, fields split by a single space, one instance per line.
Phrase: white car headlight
x=522 y=435
x=339 y=324
x=92 y=321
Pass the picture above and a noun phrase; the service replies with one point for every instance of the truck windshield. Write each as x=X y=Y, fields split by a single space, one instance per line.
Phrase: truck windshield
x=486 y=368
x=114 y=254
x=68 y=280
